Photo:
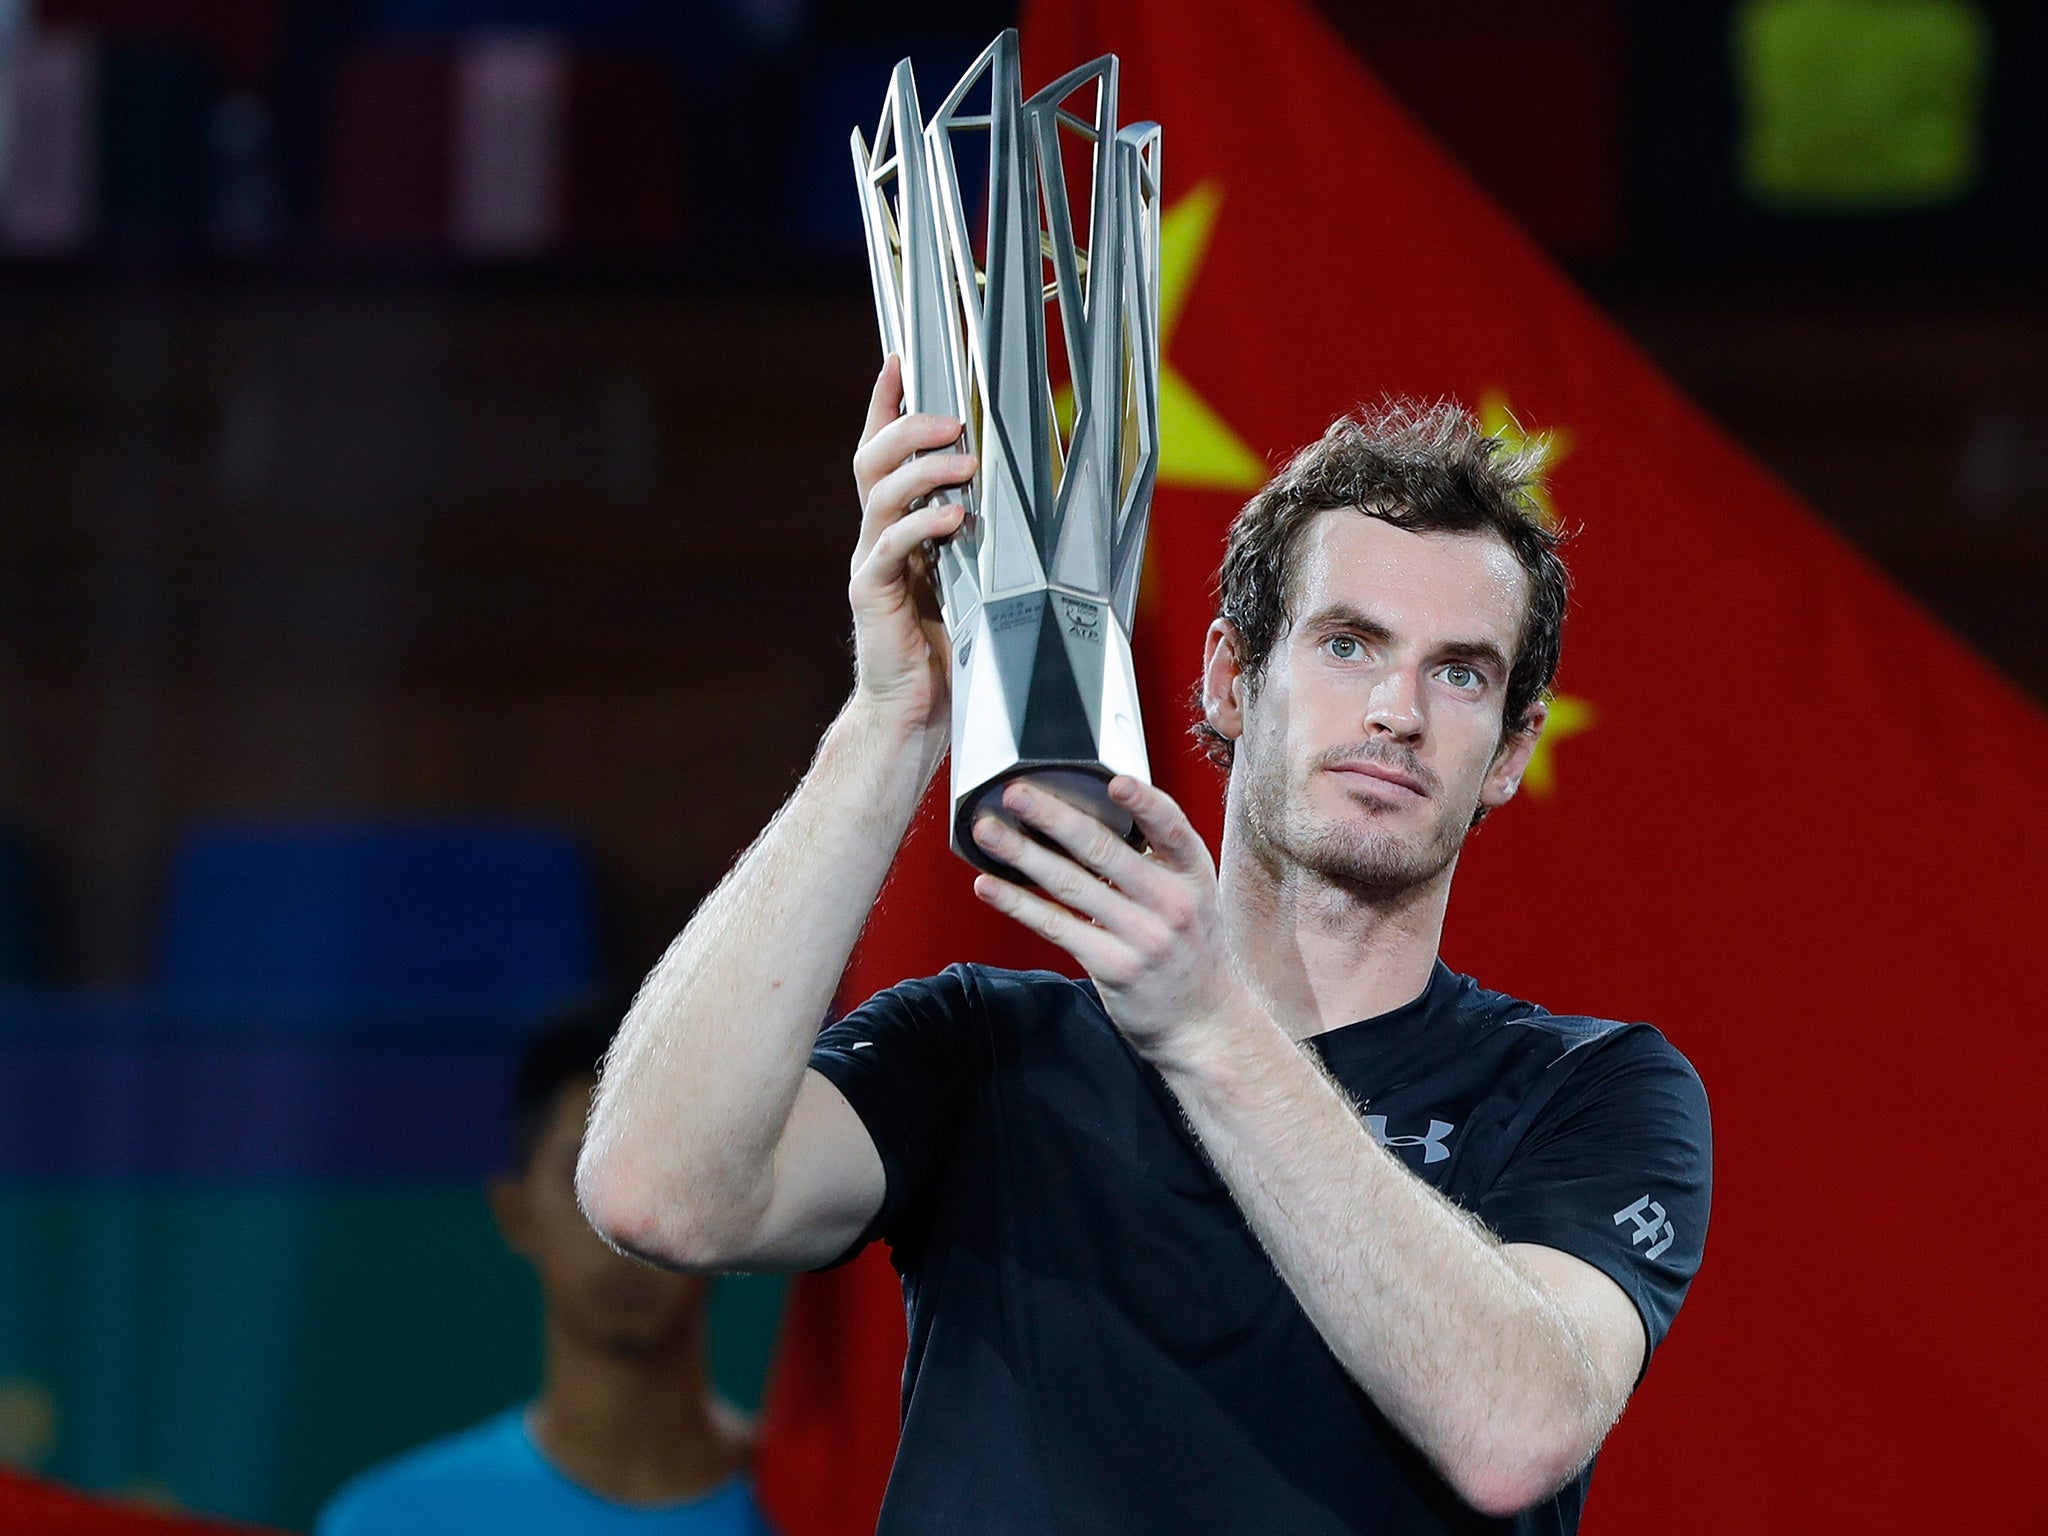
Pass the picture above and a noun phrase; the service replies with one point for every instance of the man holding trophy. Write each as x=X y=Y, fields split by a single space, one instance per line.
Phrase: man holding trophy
x=1274 y=1223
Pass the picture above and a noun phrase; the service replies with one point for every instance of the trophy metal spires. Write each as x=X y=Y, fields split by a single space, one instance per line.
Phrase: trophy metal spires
x=1040 y=584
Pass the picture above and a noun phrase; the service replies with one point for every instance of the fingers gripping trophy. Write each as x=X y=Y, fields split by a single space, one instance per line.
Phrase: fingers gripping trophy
x=1039 y=585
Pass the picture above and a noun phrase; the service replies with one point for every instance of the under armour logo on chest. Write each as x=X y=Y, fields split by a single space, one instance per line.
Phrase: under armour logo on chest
x=1431 y=1141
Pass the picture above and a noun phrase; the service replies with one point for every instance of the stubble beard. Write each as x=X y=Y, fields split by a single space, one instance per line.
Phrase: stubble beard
x=1357 y=849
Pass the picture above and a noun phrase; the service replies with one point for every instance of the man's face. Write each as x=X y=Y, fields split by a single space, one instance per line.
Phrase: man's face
x=600 y=1296
x=1374 y=736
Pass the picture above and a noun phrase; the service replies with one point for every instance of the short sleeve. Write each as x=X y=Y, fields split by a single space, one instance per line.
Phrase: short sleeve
x=1617 y=1171
x=904 y=1061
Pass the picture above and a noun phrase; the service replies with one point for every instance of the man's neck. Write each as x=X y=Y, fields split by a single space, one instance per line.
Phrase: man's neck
x=636 y=1429
x=1320 y=954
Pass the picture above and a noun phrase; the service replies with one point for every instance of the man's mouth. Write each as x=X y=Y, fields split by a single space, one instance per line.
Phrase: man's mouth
x=1382 y=779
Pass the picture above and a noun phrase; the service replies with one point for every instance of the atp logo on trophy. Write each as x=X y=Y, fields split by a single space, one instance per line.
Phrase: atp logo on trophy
x=1040 y=584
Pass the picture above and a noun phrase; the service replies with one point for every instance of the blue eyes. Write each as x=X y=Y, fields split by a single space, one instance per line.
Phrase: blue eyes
x=1457 y=674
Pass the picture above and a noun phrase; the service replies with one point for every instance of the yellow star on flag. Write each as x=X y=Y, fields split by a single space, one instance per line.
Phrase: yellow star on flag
x=1196 y=446
x=1569 y=717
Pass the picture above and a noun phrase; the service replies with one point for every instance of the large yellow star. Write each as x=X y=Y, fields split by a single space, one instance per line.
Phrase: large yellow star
x=1196 y=446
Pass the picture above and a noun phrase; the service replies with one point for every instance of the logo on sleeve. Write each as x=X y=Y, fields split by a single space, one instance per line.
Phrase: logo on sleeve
x=1651 y=1227
x=1431 y=1142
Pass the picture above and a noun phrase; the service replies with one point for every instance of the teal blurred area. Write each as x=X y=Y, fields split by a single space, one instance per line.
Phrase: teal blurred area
x=244 y=1246
x=243 y=1351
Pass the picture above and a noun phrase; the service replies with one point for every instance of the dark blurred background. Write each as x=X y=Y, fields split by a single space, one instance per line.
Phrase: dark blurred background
x=423 y=440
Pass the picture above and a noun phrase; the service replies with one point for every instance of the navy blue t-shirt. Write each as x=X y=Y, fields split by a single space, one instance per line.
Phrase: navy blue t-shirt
x=1097 y=1342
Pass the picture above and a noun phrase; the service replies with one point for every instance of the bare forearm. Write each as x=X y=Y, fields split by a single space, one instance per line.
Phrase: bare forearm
x=1466 y=1354
x=698 y=1087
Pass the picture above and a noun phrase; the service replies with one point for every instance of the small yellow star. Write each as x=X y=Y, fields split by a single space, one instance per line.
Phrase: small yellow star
x=1569 y=717
x=1497 y=417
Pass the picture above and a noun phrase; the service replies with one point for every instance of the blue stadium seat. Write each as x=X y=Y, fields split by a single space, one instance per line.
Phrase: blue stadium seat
x=345 y=918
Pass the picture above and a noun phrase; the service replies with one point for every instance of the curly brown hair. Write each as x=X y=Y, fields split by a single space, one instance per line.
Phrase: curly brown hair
x=1424 y=467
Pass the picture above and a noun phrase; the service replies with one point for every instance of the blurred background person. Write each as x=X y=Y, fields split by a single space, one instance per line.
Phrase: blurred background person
x=627 y=1436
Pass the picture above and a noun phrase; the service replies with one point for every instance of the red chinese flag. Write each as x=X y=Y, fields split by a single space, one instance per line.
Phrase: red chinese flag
x=1781 y=813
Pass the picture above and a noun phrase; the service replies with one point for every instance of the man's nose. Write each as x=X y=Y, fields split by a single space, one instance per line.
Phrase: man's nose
x=1395 y=706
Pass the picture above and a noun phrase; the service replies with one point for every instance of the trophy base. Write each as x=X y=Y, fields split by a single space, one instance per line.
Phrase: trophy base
x=1081 y=785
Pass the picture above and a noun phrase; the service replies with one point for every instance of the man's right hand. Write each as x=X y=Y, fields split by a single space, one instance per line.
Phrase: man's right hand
x=901 y=656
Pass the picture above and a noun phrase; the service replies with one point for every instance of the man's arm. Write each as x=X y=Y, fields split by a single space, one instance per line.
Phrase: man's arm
x=710 y=1146
x=1506 y=1365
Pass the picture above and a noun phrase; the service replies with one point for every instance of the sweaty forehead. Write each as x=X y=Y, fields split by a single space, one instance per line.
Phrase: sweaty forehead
x=1466 y=586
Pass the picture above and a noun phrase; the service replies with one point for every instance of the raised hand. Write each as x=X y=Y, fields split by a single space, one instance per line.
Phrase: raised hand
x=1146 y=927
x=901 y=656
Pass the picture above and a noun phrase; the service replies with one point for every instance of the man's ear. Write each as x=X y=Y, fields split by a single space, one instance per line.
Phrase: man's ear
x=1511 y=761
x=1223 y=679
x=512 y=1210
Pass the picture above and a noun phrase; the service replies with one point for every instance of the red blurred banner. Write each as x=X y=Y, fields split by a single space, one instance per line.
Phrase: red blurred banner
x=1781 y=813
x=31 y=1507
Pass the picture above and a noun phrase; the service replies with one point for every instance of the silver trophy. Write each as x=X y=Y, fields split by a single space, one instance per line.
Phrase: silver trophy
x=1040 y=584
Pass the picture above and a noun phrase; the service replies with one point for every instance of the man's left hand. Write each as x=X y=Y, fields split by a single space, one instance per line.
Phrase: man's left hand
x=1147 y=927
